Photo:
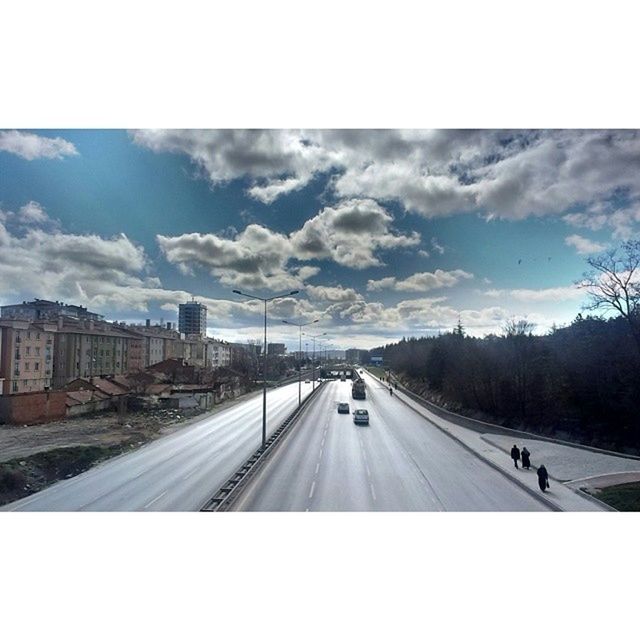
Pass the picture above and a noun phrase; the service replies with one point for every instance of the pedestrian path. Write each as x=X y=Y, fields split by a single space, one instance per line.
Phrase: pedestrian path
x=493 y=449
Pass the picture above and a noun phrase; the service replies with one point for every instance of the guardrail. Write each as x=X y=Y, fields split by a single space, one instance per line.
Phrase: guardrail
x=231 y=489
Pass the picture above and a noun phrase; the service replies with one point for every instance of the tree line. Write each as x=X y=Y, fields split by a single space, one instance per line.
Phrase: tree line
x=579 y=382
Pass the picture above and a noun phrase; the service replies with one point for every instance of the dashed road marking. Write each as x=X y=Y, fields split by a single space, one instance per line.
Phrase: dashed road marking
x=317 y=468
x=156 y=499
x=373 y=493
x=313 y=488
x=368 y=470
x=189 y=474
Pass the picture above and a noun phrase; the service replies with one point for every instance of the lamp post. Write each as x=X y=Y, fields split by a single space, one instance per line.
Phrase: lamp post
x=313 y=360
x=264 y=358
x=300 y=325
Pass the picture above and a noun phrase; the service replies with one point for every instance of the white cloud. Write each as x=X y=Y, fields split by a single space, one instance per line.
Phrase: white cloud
x=506 y=174
x=30 y=214
x=583 y=245
x=350 y=234
x=31 y=146
x=421 y=281
x=332 y=294
x=436 y=246
x=551 y=294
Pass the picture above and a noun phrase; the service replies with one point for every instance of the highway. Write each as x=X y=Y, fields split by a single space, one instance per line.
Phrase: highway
x=176 y=473
x=400 y=462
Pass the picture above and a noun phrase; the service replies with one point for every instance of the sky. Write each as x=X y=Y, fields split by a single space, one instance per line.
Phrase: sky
x=385 y=233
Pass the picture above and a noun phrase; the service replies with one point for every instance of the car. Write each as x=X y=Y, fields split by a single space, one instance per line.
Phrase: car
x=307 y=381
x=361 y=416
x=343 y=407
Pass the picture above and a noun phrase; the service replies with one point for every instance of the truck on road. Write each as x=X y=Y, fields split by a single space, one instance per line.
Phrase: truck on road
x=358 y=391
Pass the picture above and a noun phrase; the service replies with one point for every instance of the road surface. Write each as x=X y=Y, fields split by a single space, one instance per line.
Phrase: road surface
x=176 y=473
x=398 y=463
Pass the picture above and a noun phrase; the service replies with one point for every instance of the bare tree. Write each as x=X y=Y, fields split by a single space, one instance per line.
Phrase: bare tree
x=613 y=284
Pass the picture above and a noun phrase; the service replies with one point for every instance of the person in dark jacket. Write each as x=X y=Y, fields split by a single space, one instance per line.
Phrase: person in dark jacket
x=543 y=478
x=515 y=455
x=525 y=455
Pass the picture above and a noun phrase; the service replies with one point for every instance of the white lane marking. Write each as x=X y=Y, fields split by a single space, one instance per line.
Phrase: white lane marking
x=313 y=488
x=368 y=470
x=164 y=493
x=24 y=504
x=373 y=493
x=317 y=468
x=321 y=451
x=189 y=474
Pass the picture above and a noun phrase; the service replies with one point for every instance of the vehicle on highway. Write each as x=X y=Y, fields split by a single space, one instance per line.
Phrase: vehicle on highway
x=343 y=407
x=358 y=391
x=307 y=381
x=361 y=416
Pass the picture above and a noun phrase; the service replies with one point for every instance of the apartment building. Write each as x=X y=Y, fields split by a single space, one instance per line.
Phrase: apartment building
x=86 y=348
x=157 y=343
x=192 y=318
x=46 y=310
x=26 y=355
x=218 y=354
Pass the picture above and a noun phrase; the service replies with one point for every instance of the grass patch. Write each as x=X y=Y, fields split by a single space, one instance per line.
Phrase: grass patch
x=623 y=497
x=378 y=372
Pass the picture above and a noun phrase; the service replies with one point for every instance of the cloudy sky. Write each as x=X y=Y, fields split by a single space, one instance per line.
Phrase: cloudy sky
x=385 y=233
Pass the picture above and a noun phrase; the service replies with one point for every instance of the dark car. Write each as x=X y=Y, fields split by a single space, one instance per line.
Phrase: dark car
x=343 y=407
x=361 y=416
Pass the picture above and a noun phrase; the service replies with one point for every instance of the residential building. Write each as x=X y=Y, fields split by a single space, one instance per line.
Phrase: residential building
x=276 y=349
x=156 y=343
x=356 y=356
x=86 y=348
x=39 y=310
x=192 y=319
x=218 y=354
x=26 y=355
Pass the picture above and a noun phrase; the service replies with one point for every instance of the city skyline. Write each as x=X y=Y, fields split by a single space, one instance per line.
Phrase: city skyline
x=385 y=233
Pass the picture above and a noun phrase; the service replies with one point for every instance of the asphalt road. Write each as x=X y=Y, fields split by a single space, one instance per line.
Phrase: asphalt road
x=399 y=462
x=176 y=473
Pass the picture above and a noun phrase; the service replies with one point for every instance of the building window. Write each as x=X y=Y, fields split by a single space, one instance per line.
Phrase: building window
x=37 y=351
x=14 y=386
x=28 y=351
x=36 y=366
x=27 y=366
x=37 y=336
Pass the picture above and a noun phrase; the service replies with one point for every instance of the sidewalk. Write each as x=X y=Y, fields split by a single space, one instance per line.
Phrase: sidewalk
x=491 y=448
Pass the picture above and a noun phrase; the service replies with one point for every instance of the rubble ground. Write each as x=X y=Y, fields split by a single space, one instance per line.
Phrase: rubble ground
x=35 y=456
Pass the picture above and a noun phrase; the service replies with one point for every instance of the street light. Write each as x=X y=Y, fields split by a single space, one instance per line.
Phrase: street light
x=300 y=325
x=313 y=360
x=264 y=362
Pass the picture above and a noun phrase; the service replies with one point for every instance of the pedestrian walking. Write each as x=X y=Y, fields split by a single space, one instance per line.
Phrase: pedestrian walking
x=543 y=478
x=515 y=455
x=525 y=455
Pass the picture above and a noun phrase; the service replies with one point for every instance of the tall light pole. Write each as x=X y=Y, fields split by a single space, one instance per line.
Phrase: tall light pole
x=300 y=325
x=313 y=360
x=264 y=358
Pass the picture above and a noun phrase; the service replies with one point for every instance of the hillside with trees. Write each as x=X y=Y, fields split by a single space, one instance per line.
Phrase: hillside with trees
x=580 y=382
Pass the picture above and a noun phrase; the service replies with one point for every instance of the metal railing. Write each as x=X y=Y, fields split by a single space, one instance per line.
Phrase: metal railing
x=231 y=489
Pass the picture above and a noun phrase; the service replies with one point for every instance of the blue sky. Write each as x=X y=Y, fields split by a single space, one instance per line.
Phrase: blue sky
x=385 y=233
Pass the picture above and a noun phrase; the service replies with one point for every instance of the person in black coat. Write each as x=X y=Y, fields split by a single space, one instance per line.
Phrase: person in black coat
x=515 y=455
x=525 y=455
x=543 y=478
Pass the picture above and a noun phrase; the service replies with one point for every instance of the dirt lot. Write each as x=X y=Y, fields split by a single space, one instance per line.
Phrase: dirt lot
x=35 y=456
